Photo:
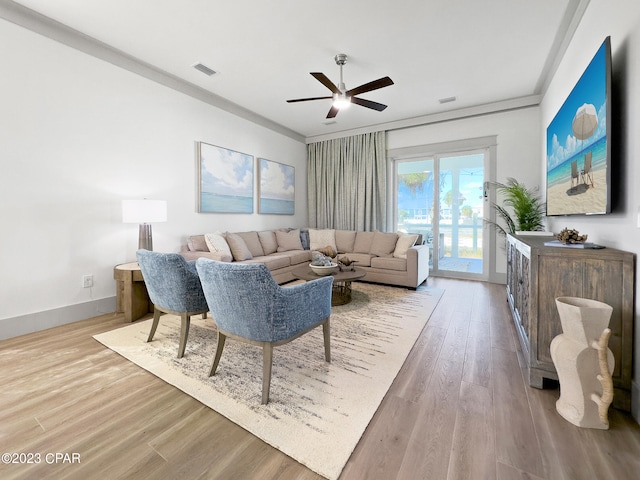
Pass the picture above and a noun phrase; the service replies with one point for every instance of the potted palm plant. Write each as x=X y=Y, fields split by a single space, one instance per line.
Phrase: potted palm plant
x=528 y=210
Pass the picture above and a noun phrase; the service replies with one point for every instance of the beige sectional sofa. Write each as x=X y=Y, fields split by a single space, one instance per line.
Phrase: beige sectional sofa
x=389 y=258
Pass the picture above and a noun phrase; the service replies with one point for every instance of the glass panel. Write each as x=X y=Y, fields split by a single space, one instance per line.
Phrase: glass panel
x=461 y=211
x=415 y=199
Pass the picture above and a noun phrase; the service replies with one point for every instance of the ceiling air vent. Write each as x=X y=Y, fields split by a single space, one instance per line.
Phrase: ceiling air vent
x=447 y=100
x=204 y=69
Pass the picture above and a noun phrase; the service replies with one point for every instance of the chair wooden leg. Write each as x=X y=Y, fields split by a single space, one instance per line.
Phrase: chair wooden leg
x=185 y=321
x=267 y=360
x=327 y=341
x=221 y=339
x=154 y=325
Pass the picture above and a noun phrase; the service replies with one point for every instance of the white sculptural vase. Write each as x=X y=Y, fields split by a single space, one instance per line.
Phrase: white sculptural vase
x=584 y=362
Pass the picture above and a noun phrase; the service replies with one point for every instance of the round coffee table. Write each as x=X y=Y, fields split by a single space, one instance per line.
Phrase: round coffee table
x=341 y=293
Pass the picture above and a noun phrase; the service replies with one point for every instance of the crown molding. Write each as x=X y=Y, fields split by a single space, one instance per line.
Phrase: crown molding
x=568 y=26
x=43 y=25
x=448 y=116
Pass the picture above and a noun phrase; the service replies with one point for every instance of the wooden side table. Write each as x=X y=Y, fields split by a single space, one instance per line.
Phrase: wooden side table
x=131 y=293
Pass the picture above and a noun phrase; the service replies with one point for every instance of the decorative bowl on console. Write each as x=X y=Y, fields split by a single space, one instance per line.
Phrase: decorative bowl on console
x=323 y=270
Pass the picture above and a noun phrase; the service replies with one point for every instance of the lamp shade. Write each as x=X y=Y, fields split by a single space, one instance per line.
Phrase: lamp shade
x=144 y=211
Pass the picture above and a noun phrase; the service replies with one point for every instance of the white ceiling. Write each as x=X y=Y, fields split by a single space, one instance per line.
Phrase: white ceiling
x=480 y=51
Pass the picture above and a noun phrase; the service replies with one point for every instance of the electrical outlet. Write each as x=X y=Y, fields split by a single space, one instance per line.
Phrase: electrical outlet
x=87 y=281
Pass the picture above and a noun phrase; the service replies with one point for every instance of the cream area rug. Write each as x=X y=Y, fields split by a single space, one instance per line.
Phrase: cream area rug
x=317 y=411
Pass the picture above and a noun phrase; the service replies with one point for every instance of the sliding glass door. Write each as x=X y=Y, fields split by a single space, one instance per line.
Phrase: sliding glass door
x=441 y=197
x=461 y=204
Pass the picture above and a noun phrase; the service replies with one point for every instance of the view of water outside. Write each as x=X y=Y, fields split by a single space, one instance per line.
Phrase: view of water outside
x=458 y=210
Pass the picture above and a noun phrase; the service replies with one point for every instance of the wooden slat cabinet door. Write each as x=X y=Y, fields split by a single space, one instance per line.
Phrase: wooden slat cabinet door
x=608 y=281
x=524 y=290
x=557 y=277
x=518 y=289
x=511 y=270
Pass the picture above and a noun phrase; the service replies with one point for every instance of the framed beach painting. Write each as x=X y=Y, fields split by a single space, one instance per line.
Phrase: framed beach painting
x=579 y=144
x=277 y=188
x=226 y=180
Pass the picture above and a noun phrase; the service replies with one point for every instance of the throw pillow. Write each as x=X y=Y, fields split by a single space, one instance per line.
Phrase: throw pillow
x=405 y=242
x=197 y=243
x=288 y=240
x=321 y=238
x=304 y=238
x=268 y=241
x=363 y=242
x=217 y=244
x=239 y=249
x=383 y=244
x=253 y=243
x=345 y=240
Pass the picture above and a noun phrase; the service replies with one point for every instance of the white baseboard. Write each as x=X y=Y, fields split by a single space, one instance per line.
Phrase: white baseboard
x=34 y=322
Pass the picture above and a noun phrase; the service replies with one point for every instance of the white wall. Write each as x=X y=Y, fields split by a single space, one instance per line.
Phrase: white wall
x=78 y=135
x=518 y=150
x=619 y=19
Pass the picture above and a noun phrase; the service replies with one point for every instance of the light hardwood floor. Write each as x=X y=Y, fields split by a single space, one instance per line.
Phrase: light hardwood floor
x=459 y=409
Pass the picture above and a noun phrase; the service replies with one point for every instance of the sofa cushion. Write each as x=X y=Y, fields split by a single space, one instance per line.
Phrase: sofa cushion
x=361 y=259
x=297 y=257
x=363 y=242
x=389 y=263
x=403 y=244
x=383 y=244
x=253 y=243
x=197 y=243
x=190 y=256
x=288 y=240
x=345 y=240
x=239 y=249
x=268 y=241
x=273 y=262
x=322 y=238
x=216 y=243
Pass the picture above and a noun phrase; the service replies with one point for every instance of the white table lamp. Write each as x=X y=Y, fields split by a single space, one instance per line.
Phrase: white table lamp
x=144 y=212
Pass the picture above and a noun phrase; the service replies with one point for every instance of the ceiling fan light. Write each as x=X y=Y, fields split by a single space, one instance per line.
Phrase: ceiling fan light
x=341 y=101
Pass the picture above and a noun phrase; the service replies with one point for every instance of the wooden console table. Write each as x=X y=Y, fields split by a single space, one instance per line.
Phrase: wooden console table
x=131 y=293
x=537 y=274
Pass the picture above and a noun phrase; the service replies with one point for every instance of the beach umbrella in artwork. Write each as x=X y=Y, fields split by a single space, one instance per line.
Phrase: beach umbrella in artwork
x=585 y=122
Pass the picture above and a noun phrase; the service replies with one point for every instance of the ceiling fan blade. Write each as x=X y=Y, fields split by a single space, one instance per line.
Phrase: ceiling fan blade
x=307 y=99
x=367 y=87
x=333 y=111
x=322 y=78
x=368 y=103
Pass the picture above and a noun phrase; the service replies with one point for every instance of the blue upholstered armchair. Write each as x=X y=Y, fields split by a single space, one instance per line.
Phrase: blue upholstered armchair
x=248 y=305
x=174 y=287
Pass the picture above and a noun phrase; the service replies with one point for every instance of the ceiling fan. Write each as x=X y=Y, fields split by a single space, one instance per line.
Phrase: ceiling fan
x=342 y=97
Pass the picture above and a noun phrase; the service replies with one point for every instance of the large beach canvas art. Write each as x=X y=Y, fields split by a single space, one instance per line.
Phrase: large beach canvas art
x=226 y=180
x=578 y=147
x=277 y=188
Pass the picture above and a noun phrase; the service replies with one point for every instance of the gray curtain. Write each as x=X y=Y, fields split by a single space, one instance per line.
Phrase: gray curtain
x=347 y=183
